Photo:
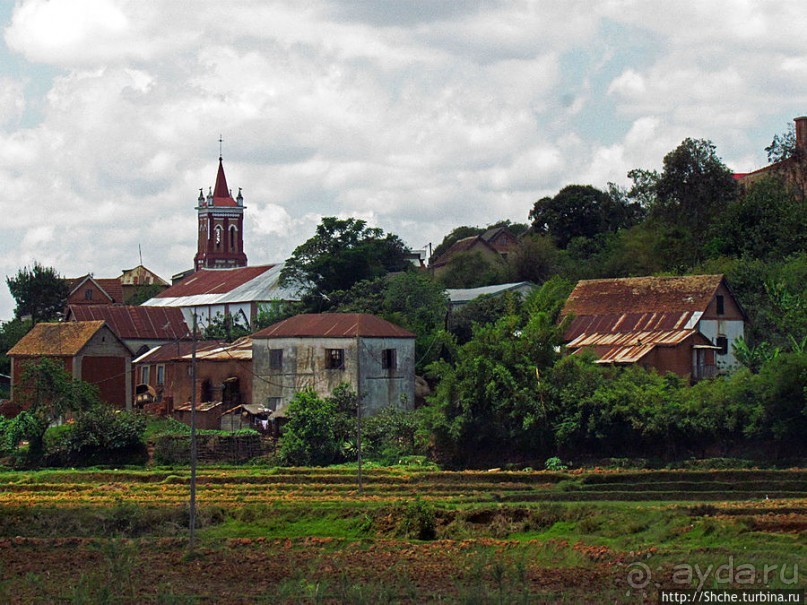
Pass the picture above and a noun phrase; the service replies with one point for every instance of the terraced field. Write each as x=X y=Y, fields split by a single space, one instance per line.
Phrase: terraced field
x=409 y=535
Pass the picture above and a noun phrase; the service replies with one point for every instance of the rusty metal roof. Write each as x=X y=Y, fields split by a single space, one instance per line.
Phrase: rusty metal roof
x=642 y=295
x=240 y=350
x=130 y=322
x=631 y=347
x=213 y=281
x=174 y=350
x=334 y=325
x=63 y=339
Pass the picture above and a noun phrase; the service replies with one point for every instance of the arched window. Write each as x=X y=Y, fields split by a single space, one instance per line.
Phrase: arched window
x=218 y=236
x=233 y=238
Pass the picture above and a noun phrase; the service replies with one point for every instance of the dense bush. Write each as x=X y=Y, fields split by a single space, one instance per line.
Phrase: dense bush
x=97 y=436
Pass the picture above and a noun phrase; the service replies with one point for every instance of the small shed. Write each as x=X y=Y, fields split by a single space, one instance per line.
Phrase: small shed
x=208 y=414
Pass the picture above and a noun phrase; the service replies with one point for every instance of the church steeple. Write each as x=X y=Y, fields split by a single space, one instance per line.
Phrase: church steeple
x=221 y=227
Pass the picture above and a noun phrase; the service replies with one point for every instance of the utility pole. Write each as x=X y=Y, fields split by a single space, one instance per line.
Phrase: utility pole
x=192 y=521
x=358 y=412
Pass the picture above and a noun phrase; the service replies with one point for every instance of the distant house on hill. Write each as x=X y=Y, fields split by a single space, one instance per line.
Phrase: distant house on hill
x=375 y=357
x=140 y=328
x=685 y=325
x=492 y=246
x=792 y=169
x=88 y=350
x=90 y=290
x=240 y=293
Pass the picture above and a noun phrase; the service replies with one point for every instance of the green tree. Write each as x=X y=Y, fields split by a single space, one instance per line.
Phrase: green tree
x=692 y=191
x=47 y=392
x=582 y=211
x=341 y=253
x=411 y=300
x=489 y=400
x=319 y=430
x=10 y=334
x=473 y=270
x=39 y=292
x=769 y=221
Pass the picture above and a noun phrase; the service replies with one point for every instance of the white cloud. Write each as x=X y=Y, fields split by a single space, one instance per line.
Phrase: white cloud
x=417 y=116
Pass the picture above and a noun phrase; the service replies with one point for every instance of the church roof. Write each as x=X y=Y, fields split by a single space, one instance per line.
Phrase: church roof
x=221 y=193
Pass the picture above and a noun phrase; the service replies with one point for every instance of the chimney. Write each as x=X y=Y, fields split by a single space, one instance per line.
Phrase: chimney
x=801 y=133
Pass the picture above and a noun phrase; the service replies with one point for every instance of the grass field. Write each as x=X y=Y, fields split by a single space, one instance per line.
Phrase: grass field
x=308 y=535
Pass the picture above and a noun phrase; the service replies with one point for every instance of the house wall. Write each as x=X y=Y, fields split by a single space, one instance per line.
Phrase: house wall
x=730 y=324
x=105 y=361
x=178 y=381
x=88 y=288
x=18 y=365
x=304 y=366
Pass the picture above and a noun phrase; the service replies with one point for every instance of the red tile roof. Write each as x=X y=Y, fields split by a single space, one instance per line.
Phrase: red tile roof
x=129 y=322
x=214 y=281
x=334 y=325
x=63 y=339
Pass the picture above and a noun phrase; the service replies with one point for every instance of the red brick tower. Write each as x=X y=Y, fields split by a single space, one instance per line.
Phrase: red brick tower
x=221 y=227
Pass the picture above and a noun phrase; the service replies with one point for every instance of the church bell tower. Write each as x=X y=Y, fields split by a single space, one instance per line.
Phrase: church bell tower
x=221 y=227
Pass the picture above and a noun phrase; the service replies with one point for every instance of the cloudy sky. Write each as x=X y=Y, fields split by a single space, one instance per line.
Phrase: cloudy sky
x=416 y=116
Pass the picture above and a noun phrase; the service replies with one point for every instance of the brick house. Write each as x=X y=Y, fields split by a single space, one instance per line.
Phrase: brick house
x=792 y=169
x=88 y=350
x=685 y=325
x=321 y=351
x=164 y=384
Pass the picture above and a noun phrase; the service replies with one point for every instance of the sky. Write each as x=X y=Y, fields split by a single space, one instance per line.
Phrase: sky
x=417 y=117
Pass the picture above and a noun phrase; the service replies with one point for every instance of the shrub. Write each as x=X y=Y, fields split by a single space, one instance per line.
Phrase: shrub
x=418 y=520
x=98 y=436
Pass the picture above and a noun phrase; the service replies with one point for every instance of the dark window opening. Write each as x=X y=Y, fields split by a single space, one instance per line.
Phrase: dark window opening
x=335 y=359
x=87 y=294
x=389 y=359
x=721 y=309
x=723 y=343
x=232 y=239
x=207 y=392
x=275 y=359
x=160 y=375
x=273 y=403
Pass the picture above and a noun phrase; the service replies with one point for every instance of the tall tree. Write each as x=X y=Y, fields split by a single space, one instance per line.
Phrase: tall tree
x=582 y=211
x=40 y=292
x=693 y=189
x=341 y=253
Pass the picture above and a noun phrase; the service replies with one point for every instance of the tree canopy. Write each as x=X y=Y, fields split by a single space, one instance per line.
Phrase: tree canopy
x=582 y=211
x=341 y=253
x=39 y=291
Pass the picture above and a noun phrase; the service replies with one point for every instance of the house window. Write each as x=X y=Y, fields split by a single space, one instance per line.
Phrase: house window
x=389 y=359
x=144 y=374
x=87 y=294
x=273 y=403
x=160 y=375
x=335 y=359
x=275 y=359
x=721 y=309
x=723 y=343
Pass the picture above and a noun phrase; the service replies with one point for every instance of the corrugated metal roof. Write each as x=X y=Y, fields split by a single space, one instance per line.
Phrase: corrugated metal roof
x=461 y=295
x=240 y=350
x=334 y=325
x=226 y=286
x=205 y=349
x=206 y=406
x=130 y=322
x=642 y=295
x=630 y=347
x=57 y=339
